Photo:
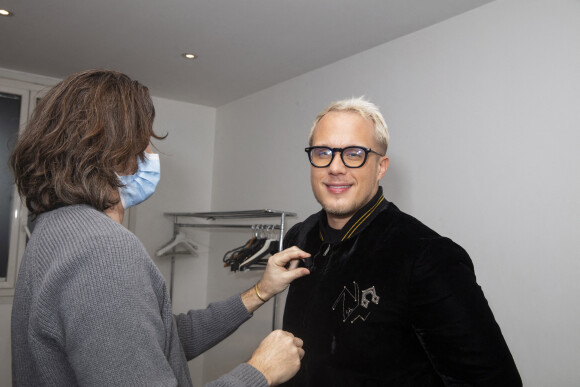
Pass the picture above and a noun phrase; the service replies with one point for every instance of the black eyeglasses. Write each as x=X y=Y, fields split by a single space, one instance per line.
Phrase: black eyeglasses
x=352 y=156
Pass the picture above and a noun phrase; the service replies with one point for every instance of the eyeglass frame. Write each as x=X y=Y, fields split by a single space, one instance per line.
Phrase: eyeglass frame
x=334 y=150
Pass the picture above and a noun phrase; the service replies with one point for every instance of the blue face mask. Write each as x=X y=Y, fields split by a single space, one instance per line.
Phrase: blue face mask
x=140 y=186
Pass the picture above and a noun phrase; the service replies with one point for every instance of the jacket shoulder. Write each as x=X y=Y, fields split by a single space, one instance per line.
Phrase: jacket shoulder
x=403 y=224
x=298 y=233
x=407 y=234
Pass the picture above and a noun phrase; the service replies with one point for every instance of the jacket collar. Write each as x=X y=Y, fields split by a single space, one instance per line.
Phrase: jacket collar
x=357 y=223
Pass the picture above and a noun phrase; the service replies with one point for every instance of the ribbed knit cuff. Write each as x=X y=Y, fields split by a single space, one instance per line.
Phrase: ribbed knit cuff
x=239 y=311
x=249 y=376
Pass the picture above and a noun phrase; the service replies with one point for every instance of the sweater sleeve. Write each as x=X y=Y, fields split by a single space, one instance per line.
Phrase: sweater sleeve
x=290 y=237
x=454 y=323
x=243 y=375
x=199 y=330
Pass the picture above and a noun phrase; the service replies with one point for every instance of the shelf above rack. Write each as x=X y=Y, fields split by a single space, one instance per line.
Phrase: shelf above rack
x=266 y=213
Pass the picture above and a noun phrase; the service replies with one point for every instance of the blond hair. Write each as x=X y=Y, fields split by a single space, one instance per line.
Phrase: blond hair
x=366 y=110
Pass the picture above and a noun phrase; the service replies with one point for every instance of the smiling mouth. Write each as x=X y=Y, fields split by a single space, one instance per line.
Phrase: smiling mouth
x=338 y=188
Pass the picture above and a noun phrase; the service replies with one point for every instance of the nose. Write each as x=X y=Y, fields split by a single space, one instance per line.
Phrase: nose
x=337 y=167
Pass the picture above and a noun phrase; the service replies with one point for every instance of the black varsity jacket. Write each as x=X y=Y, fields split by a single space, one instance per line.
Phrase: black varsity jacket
x=389 y=302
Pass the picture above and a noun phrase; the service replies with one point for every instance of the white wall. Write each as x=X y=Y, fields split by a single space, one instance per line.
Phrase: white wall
x=484 y=115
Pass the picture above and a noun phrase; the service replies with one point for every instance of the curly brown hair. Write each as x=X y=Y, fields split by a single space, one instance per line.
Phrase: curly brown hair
x=85 y=129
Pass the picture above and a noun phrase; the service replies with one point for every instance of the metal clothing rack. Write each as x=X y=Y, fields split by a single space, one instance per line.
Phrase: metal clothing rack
x=211 y=217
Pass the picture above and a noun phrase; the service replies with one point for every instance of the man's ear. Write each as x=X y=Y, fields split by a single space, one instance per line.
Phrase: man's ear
x=383 y=166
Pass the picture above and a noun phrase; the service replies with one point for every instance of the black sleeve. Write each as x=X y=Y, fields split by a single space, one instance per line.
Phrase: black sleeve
x=290 y=237
x=454 y=323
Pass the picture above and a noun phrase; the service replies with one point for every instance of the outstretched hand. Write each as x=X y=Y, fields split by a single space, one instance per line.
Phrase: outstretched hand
x=281 y=270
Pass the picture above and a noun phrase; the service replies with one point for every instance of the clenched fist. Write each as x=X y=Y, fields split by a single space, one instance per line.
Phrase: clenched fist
x=278 y=357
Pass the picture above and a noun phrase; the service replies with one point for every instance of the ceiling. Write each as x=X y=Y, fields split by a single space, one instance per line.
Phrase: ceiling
x=243 y=46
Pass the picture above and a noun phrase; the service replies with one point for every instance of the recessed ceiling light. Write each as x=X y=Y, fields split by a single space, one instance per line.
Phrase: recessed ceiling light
x=5 y=12
x=188 y=55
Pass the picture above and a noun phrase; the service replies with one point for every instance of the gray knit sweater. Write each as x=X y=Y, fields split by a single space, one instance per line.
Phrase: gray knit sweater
x=92 y=309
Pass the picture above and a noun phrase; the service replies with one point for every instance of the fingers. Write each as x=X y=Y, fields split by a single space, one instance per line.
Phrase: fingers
x=293 y=264
x=294 y=272
x=291 y=257
x=298 y=342
x=278 y=280
x=301 y=353
x=291 y=275
x=285 y=256
x=277 y=277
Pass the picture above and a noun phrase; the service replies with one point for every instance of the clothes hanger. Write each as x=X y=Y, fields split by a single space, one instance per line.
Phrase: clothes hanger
x=267 y=249
x=178 y=240
x=233 y=257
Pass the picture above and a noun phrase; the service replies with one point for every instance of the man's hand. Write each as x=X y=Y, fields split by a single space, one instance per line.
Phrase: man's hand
x=278 y=357
x=276 y=278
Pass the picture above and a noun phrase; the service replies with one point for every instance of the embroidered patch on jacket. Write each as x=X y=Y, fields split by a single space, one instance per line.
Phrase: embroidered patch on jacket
x=356 y=301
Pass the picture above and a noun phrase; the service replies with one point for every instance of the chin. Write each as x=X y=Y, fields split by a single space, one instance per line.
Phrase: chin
x=340 y=208
x=339 y=214
x=340 y=211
